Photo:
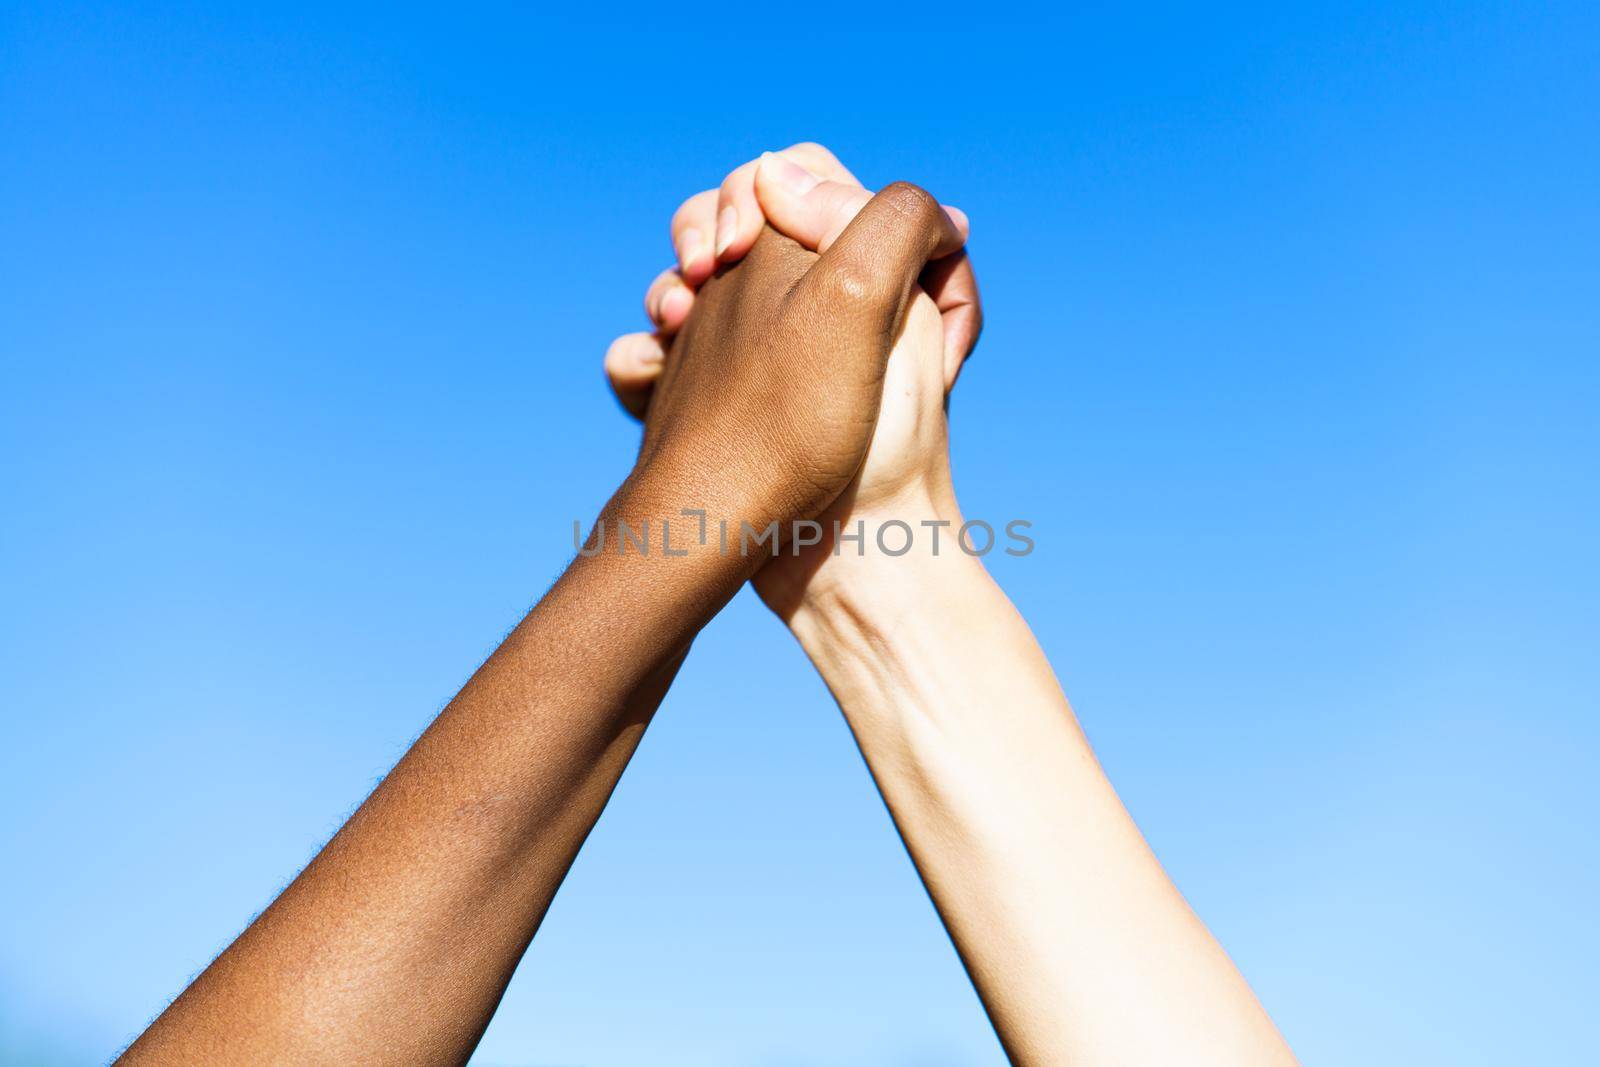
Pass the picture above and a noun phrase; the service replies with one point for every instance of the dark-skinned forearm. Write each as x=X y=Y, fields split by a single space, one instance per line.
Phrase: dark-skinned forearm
x=396 y=942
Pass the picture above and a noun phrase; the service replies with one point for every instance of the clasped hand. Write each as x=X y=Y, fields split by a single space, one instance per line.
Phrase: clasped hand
x=802 y=352
x=800 y=363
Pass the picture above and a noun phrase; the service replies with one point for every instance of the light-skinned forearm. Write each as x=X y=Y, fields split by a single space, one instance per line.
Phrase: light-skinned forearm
x=397 y=941
x=1081 y=949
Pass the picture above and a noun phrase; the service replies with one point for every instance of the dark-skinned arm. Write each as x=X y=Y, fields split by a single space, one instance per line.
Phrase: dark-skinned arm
x=396 y=943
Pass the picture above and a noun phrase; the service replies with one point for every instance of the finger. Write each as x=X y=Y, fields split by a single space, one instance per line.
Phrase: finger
x=954 y=289
x=802 y=206
x=866 y=275
x=633 y=363
x=821 y=162
x=739 y=214
x=668 y=301
x=692 y=227
x=810 y=210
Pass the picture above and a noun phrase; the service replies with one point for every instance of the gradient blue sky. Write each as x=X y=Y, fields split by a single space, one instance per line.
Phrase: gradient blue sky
x=1292 y=360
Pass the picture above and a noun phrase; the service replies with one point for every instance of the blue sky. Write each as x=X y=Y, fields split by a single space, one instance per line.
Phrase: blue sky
x=1291 y=360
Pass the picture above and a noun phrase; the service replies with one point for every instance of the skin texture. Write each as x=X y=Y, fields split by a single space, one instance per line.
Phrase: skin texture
x=1079 y=945
x=806 y=401
x=395 y=944
x=908 y=450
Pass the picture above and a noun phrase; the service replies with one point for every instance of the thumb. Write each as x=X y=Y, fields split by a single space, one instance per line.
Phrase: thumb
x=866 y=273
x=809 y=210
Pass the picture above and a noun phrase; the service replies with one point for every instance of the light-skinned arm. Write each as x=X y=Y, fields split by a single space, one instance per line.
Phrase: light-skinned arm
x=395 y=944
x=1081 y=948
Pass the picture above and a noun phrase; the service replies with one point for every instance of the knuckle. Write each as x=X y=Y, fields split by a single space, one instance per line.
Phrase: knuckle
x=653 y=295
x=849 y=284
x=912 y=202
x=739 y=180
x=689 y=210
x=616 y=355
x=814 y=149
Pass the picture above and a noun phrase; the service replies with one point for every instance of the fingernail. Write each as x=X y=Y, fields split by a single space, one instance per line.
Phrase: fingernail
x=727 y=226
x=958 y=217
x=789 y=174
x=674 y=300
x=690 y=244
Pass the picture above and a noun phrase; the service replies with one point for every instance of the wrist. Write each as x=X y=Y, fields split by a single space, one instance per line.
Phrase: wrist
x=732 y=487
x=672 y=484
x=886 y=637
x=899 y=566
x=886 y=546
x=661 y=534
